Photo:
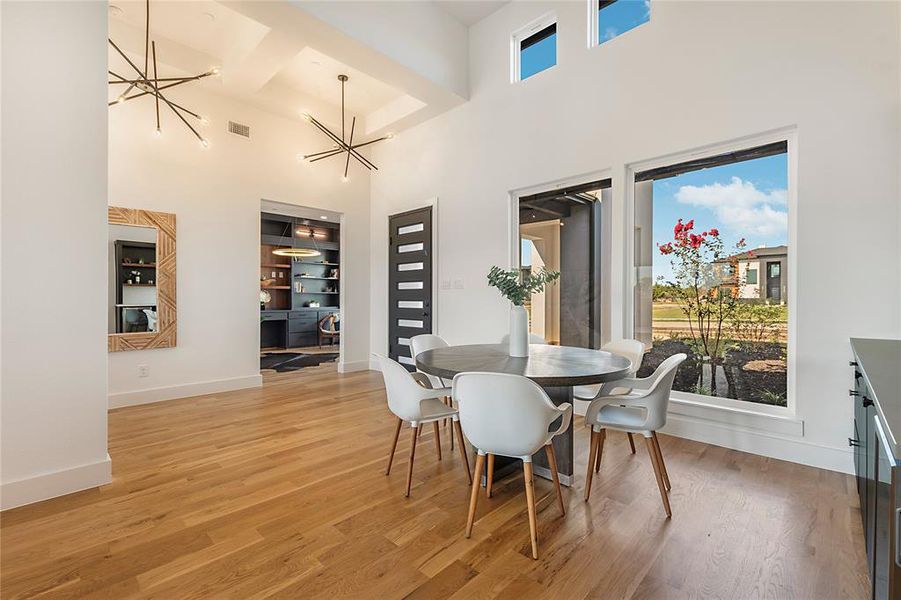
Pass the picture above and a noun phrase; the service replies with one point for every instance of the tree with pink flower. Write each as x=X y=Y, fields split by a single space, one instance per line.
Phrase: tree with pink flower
x=701 y=288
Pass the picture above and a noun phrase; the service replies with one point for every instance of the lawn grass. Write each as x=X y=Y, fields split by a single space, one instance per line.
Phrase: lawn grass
x=664 y=311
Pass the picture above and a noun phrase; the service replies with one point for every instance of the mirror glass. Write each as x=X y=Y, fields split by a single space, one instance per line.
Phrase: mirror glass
x=132 y=279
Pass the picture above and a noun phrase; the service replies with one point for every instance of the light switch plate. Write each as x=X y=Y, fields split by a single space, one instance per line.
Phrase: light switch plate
x=445 y=284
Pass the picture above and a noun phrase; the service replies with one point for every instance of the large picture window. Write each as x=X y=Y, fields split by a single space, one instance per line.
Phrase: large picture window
x=711 y=258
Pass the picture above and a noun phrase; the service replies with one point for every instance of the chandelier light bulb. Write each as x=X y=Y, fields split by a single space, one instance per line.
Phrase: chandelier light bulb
x=159 y=132
x=306 y=117
x=214 y=71
x=345 y=179
x=204 y=121
x=120 y=99
x=204 y=143
x=389 y=136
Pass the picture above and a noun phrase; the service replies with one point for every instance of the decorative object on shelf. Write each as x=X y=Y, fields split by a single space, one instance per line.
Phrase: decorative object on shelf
x=266 y=281
x=313 y=304
x=136 y=275
x=298 y=287
x=340 y=145
x=140 y=261
x=144 y=84
x=265 y=298
x=517 y=288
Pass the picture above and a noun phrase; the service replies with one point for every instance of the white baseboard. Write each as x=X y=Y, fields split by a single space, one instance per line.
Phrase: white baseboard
x=720 y=430
x=173 y=392
x=58 y=483
x=351 y=366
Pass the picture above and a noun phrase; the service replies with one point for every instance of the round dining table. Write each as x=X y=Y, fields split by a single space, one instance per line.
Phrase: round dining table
x=557 y=369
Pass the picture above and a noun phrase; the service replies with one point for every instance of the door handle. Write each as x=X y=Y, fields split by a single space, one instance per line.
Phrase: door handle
x=853 y=393
x=866 y=402
x=898 y=537
x=853 y=443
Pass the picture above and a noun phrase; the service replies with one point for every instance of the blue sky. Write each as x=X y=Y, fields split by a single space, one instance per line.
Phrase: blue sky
x=621 y=16
x=538 y=57
x=743 y=200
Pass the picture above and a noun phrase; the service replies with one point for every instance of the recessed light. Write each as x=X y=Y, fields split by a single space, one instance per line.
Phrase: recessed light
x=210 y=16
x=115 y=10
x=323 y=217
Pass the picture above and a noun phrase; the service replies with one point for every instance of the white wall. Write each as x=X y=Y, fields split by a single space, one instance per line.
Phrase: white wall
x=215 y=194
x=54 y=250
x=699 y=73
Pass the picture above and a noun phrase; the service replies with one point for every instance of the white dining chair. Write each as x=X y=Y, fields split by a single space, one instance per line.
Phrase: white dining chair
x=509 y=415
x=534 y=338
x=412 y=399
x=430 y=341
x=631 y=349
x=642 y=411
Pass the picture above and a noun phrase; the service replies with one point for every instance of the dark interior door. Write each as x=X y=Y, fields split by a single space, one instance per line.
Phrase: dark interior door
x=409 y=281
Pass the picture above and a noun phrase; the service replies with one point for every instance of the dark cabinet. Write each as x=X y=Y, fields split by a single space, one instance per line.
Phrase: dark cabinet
x=877 y=466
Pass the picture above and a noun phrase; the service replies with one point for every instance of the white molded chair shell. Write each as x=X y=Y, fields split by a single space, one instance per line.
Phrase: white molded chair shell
x=631 y=349
x=643 y=409
x=507 y=415
x=428 y=341
x=409 y=395
x=534 y=338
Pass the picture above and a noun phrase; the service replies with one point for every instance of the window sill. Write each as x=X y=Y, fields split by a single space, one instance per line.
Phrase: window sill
x=769 y=419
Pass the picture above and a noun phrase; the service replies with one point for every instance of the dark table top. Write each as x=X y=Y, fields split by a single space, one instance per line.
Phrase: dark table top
x=880 y=363
x=546 y=365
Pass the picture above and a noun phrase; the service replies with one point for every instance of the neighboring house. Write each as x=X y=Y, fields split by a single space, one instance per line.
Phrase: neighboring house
x=760 y=273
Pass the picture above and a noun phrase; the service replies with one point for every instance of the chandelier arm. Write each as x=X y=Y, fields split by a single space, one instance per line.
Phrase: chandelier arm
x=355 y=146
x=350 y=143
x=163 y=87
x=121 y=97
x=147 y=40
x=155 y=86
x=342 y=109
x=184 y=120
x=360 y=158
x=333 y=153
x=329 y=151
x=128 y=60
x=152 y=79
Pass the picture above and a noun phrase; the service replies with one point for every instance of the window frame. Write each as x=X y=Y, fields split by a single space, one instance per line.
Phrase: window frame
x=697 y=402
x=524 y=33
x=594 y=33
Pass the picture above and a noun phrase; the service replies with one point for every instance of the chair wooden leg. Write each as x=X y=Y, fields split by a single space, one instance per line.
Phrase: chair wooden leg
x=462 y=445
x=530 y=500
x=592 y=457
x=552 y=463
x=420 y=431
x=649 y=442
x=474 y=494
x=490 y=479
x=631 y=442
x=662 y=463
x=413 y=439
x=438 y=439
x=597 y=462
x=400 y=423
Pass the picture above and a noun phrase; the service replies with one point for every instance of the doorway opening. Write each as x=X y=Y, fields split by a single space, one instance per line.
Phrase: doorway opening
x=300 y=286
x=561 y=230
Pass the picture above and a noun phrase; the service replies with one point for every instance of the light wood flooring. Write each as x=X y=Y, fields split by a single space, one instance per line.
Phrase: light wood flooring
x=280 y=492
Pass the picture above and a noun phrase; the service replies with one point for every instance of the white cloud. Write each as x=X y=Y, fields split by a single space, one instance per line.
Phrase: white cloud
x=740 y=206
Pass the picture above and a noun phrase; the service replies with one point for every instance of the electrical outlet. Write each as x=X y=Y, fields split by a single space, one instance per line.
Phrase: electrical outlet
x=143 y=371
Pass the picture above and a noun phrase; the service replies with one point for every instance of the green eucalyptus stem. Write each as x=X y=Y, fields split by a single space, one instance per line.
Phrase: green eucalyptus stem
x=517 y=288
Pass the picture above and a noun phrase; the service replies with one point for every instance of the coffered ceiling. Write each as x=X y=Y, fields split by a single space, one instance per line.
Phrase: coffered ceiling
x=265 y=62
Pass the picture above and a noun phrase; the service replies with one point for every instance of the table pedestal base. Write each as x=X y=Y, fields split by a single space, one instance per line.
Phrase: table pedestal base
x=563 y=449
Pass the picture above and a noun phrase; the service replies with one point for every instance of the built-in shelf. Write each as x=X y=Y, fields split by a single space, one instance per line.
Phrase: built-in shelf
x=321 y=278
x=277 y=287
x=310 y=262
x=306 y=292
x=141 y=265
x=138 y=285
x=275 y=266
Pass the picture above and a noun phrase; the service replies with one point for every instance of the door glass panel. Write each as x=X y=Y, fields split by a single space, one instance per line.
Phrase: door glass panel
x=410 y=229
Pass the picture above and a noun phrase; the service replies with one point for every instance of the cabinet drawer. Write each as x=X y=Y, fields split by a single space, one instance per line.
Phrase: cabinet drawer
x=301 y=325
x=303 y=315
x=299 y=340
x=273 y=316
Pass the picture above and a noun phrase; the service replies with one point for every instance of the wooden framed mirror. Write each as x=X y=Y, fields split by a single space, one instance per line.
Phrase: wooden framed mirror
x=141 y=299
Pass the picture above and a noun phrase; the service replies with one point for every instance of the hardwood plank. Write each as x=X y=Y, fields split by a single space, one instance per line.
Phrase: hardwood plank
x=281 y=492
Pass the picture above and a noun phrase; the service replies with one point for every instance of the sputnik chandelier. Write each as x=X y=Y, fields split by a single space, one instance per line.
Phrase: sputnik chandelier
x=342 y=147
x=141 y=84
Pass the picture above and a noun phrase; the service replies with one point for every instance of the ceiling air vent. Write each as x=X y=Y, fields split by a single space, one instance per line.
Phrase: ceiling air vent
x=239 y=129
